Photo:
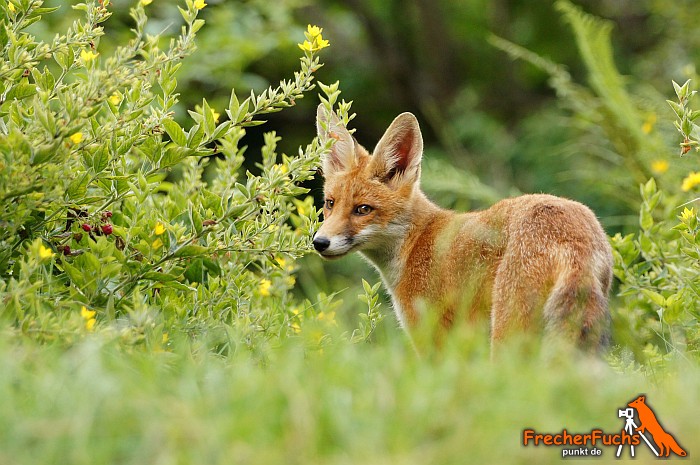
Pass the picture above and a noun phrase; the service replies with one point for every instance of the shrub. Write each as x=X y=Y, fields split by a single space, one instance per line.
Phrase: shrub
x=658 y=266
x=106 y=221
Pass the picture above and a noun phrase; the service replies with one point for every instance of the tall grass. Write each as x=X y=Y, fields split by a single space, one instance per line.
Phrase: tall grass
x=346 y=403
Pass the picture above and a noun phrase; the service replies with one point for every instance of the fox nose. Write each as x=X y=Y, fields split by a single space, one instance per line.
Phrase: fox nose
x=321 y=243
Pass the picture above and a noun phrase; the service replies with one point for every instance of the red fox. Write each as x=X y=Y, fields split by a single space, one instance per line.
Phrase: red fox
x=534 y=261
x=648 y=422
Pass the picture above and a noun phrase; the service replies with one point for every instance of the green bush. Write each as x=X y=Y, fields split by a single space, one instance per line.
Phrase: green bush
x=658 y=266
x=106 y=221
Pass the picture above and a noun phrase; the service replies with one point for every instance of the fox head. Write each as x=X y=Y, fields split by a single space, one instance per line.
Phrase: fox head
x=367 y=203
x=636 y=402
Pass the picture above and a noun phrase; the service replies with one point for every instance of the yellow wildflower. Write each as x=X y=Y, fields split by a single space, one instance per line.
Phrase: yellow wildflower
x=87 y=314
x=314 y=30
x=87 y=55
x=10 y=7
x=692 y=180
x=649 y=123
x=90 y=324
x=115 y=99
x=659 y=166
x=45 y=252
x=306 y=46
x=264 y=288
x=159 y=229
x=687 y=214
x=146 y=2
x=76 y=138
x=314 y=40
x=199 y=4
x=320 y=43
x=327 y=317
x=157 y=244
x=290 y=281
x=216 y=115
x=295 y=327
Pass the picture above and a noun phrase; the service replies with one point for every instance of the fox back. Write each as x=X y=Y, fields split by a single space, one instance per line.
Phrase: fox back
x=529 y=263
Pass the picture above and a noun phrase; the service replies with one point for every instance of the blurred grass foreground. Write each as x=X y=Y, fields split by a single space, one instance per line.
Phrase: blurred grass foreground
x=158 y=300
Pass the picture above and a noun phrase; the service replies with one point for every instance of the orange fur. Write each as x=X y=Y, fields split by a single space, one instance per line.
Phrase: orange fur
x=526 y=262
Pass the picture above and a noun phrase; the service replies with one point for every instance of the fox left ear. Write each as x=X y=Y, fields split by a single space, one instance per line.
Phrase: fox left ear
x=398 y=153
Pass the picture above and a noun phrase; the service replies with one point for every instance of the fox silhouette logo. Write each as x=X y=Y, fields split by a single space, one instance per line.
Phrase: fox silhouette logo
x=665 y=443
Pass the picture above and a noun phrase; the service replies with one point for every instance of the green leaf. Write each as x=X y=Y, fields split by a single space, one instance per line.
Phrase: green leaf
x=175 y=132
x=646 y=220
x=21 y=91
x=100 y=160
x=677 y=108
x=190 y=251
x=157 y=276
x=195 y=272
x=655 y=297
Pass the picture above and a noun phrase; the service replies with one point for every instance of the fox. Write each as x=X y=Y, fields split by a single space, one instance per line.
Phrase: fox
x=530 y=263
x=648 y=422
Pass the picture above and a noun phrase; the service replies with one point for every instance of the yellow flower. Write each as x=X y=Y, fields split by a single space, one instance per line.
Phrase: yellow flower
x=159 y=229
x=10 y=7
x=216 y=115
x=76 y=138
x=692 y=180
x=314 y=30
x=115 y=99
x=90 y=324
x=314 y=40
x=87 y=314
x=87 y=55
x=165 y=338
x=327 y=317
x=649 y=123
x=659 y=166
x=320 y=43
x=306 y=46
x=45 y=252
x=264 y=288
x=157 y=244
x=687 y=214
x=199 y=4
x=146 y=2
x=290 y=281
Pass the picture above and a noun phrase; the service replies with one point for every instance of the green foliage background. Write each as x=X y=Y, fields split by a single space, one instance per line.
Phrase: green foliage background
x=158 y=299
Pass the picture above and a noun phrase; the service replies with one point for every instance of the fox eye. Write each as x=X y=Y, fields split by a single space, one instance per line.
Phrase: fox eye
x=363 y=210
x=329 y=203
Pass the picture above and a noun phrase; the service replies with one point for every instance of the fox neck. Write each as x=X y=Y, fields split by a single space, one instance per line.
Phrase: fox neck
x=387 y=257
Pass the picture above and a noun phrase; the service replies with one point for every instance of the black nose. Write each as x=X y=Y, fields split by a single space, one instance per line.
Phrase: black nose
x=321 y=243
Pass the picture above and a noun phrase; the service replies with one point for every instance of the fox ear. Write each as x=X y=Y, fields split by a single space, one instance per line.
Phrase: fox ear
x=398 y=153
x=342 y=154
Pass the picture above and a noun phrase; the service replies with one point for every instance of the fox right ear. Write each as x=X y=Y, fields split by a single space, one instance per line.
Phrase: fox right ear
x=341 y=156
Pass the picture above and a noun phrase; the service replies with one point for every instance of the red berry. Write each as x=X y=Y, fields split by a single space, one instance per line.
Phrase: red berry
x=86 y=227
x=65 y=249
x=107 y=214
x=107 y=229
